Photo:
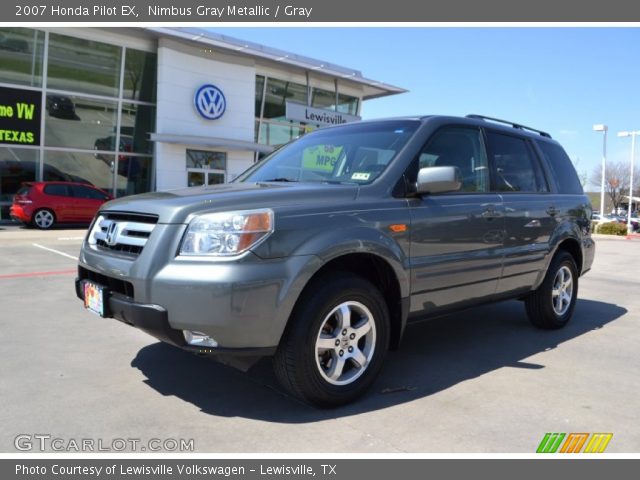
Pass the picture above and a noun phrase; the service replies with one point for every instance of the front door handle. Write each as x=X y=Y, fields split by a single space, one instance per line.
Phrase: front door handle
x=552 y=211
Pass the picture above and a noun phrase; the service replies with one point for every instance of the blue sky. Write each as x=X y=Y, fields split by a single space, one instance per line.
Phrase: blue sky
x=562 y=80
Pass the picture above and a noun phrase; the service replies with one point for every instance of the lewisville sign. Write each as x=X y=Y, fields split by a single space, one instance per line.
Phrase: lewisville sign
x=20 y=116
x=317 y=116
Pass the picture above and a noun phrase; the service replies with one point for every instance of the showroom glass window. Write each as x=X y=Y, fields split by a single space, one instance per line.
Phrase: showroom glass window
x=140 y=75
x=347 y=104
x=272 y=127
x=79 y=122
x=99 y=108
x=275 y=129
x=259 y=94
x=21 y=54
x=83 y=65
x=17 y=165
x=105 y=128
x=278 y=93
x=135 y=124
x=321 y=98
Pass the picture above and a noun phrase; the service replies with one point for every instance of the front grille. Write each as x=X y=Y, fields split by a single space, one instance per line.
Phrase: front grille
x=114 y=284
x=132 y=249
x=122 y=232
x=131 y=217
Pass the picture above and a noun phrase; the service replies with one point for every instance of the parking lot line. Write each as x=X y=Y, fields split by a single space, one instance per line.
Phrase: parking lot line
x=55 y=251
x=37 y=274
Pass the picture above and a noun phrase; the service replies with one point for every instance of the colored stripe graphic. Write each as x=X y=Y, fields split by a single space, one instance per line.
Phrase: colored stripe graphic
x=598 y=443
x=550 y=442
x=574 y=442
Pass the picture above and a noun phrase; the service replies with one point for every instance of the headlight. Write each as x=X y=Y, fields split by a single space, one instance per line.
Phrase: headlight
x=227 y=233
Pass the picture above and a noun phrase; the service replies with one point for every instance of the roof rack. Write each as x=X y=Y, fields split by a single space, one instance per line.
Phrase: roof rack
x=514 y=125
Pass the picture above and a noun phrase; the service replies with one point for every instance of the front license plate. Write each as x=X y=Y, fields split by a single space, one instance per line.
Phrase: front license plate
x=94 y=298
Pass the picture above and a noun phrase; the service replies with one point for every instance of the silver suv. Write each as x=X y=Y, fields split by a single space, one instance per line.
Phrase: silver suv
x=322 y=253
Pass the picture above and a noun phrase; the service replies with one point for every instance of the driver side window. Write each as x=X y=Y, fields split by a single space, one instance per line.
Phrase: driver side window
x=460 y=147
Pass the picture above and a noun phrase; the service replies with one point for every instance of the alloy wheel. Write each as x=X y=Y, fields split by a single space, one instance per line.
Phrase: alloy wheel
x=346 y=343
x=43 y=219
x=562 y=291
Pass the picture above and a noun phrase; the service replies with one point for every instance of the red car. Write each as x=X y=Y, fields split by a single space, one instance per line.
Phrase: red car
x=43 y=204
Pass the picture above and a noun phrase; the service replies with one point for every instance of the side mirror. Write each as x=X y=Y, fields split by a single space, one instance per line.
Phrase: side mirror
x=438 y=180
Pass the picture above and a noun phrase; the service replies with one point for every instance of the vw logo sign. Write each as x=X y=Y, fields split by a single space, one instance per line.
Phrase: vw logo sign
x=210 y=102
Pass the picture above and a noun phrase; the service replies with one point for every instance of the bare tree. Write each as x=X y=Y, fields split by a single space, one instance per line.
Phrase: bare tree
x=616 y=181
x=134 y=72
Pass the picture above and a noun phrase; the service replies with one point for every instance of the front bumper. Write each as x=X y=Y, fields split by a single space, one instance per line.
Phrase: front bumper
x=154 y=320
x=242 y=303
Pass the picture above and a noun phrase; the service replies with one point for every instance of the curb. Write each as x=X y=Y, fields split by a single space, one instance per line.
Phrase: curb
x=599 y=236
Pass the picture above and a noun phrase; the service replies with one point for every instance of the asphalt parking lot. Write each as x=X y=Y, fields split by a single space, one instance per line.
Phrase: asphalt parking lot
x=479 y=381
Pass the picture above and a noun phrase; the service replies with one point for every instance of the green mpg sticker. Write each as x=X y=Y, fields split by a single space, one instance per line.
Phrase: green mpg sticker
x=321 y=157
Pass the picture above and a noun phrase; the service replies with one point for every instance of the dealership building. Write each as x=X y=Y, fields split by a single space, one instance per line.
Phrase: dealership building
x=132 y=110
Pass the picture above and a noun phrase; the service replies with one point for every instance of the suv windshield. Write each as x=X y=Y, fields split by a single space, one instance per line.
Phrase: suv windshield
x=355 y=153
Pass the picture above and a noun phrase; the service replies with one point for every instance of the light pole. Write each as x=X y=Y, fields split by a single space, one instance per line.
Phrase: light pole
x=633 y=154
x=602 y=128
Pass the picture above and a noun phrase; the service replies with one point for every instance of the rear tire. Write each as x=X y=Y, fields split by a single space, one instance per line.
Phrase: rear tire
x=551 y=305
x=43 y=219
x=336 y=340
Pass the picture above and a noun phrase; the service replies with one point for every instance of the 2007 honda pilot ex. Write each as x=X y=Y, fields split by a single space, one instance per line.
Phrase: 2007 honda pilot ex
x=321 y=253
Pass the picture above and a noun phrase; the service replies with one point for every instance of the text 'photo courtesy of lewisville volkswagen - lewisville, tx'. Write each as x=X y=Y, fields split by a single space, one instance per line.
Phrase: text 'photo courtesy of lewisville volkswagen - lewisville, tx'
x=210 y=243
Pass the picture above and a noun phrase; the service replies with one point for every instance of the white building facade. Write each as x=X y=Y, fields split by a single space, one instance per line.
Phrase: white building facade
x=132 y=110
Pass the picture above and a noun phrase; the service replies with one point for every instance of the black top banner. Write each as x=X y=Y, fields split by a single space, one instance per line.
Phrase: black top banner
x=314 y=11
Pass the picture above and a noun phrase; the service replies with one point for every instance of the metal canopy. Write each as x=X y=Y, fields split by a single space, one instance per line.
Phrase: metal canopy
x=211 y=142
x=372 y=88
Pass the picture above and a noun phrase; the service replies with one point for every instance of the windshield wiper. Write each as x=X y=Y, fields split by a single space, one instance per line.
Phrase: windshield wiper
x=339 y=182
x=280 y=179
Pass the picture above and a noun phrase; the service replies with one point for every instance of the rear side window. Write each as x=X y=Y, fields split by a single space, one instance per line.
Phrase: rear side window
x=58 y=190
x=563 y=171
x=515 y=165
x=79 y=191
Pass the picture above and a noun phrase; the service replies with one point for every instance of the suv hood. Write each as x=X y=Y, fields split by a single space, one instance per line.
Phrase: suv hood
x=175 y=206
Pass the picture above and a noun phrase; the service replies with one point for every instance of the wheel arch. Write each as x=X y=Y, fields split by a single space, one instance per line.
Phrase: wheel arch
x=564 y=239
x=572 y=246
x=381 y=273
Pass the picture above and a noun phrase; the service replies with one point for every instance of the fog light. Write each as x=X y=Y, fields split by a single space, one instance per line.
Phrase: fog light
x=199 y=339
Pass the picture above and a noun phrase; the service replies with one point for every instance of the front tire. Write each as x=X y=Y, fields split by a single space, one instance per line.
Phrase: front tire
x=43 y=219
x=551 y=305
x=335 y=342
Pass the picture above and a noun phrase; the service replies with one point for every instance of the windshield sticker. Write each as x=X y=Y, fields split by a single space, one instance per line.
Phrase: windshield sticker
x=360 y=176
x=321 y=157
